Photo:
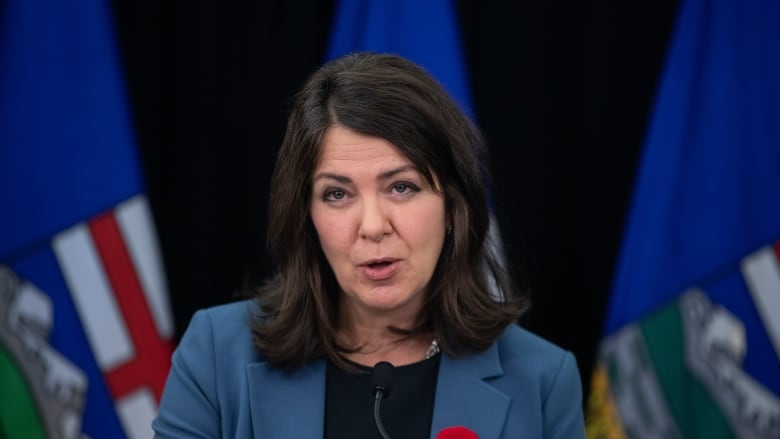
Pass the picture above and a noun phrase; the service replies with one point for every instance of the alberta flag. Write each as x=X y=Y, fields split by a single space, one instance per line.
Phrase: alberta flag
x=692 y=337
x=84 y=322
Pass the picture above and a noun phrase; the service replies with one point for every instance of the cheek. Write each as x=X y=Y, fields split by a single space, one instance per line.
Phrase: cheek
x=427 y=224
x=333 y=232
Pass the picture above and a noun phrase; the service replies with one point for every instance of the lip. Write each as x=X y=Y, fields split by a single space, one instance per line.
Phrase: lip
x=380 y=269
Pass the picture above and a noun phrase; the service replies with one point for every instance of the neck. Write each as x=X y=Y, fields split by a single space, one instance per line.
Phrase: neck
x=398 y=352
x=375 y=342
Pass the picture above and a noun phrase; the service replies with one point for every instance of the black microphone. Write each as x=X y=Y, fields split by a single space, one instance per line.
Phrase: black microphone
x=381 y=381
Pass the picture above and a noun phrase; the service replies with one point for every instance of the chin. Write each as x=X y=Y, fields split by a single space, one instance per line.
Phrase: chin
x=385 y=299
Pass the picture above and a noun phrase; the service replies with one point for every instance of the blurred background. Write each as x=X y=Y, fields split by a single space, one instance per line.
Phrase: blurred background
x=633 y=148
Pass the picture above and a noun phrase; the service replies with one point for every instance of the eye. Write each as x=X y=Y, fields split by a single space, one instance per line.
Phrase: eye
x=404 y=187
x=334 y=195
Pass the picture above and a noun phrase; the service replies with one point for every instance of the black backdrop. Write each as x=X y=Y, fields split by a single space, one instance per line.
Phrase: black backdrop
x=562 y=91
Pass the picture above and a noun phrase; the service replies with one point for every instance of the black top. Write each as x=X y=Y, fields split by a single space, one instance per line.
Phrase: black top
x=406 y=413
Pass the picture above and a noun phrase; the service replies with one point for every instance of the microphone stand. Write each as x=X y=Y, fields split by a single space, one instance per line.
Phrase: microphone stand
x=378 y=396
x=381 y=379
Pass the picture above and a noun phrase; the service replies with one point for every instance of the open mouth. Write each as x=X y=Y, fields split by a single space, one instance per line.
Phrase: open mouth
x=380 y=270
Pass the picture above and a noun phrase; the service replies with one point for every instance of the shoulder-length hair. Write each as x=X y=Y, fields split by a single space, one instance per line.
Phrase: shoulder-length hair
x=470 y=299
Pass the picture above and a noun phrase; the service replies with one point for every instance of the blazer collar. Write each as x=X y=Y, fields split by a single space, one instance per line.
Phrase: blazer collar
x=283 y=404
x=464 y=398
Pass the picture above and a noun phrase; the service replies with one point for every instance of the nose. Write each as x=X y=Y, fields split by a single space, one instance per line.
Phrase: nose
x=375 y=221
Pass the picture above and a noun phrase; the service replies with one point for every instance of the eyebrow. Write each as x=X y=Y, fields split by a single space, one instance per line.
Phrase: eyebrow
x=327 y=175
x=391 y=173
x=346 y=180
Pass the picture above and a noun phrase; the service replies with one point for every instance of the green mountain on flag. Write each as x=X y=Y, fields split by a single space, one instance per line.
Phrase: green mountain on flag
x=678 y=372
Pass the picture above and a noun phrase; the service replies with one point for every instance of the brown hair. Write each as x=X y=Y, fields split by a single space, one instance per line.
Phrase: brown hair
x=389 y=97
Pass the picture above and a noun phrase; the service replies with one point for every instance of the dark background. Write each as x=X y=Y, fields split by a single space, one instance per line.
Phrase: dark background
x=562 y=92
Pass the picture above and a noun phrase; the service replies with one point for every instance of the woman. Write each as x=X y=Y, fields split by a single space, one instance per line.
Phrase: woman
x=378 y=225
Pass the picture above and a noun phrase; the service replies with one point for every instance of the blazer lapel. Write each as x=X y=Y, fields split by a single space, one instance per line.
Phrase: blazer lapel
x=285 y=405
x=464 y=398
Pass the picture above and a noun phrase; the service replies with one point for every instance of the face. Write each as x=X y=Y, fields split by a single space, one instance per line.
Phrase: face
x=380 y=225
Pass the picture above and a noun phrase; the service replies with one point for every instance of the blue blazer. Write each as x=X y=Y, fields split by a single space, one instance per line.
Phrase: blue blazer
x=220 y=387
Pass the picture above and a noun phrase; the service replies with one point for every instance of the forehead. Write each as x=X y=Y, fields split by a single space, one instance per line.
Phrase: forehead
x=345 y=149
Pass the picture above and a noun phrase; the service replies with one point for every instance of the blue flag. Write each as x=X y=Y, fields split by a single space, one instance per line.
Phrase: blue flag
x=85 y=327
x=425 y=32
x=692 y=337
